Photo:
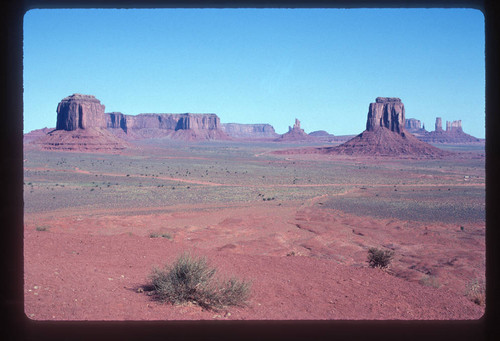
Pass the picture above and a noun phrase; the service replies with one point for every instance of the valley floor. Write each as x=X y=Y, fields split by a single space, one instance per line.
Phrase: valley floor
x=297 y=227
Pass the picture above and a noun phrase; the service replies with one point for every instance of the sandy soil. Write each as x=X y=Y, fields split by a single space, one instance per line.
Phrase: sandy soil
x=305 y=261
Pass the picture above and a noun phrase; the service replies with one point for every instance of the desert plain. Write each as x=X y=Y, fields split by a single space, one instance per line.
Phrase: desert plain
x=297 y=226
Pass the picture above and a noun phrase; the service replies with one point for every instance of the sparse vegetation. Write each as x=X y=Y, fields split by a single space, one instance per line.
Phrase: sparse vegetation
x=476 y=291
x=430 y=281
x=190 y=279
x=157 y=235
x=42 y=228
x=378 y=258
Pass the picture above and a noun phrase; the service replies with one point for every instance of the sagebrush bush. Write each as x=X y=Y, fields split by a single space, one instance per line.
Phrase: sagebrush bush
x=378 y=258
x=192 y=280
x=476 y=291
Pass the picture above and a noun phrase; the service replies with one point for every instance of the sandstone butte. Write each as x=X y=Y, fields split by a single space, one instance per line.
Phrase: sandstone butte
x=385 y=135
x=81 y=126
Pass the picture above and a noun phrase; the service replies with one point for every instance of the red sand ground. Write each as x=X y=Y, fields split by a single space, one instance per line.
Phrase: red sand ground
x=89 y=266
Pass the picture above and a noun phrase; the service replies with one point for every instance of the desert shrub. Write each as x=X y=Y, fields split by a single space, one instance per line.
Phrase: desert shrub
x=378 y=258
x=42 y=228
x=192 y=280
x=157 y=235
x=166 y=235
x=430 y=281
x=476 y=291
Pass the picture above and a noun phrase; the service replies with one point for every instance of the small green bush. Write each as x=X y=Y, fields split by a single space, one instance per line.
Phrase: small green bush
x=379 y=258
x=192 y=280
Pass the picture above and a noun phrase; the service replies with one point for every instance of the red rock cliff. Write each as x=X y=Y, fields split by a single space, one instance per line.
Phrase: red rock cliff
x=386 y=112
x=80 y=112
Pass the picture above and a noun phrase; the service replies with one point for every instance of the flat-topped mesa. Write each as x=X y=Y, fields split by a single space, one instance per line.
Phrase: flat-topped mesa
x=386 y=112
x=165 y=121
x=412 y=124
x=186 y=126
x=80 y=112
x=198 y=121
x=239 y=130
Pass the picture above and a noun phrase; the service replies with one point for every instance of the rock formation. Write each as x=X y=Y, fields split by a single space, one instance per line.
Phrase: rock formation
x=385 y=135
x=177 y=126
x=412 y=124
x=386 y=112
x=116 y=120
x=36 y=134
x=81 y=126
x=82 y=140
x=320 y=133
x=454 y=126
x=439 y=124
x=294 y=133
x=80 y=112
x=452 y=134
x=249 y=131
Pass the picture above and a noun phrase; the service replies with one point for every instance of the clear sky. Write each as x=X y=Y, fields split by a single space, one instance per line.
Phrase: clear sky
x=322 y=66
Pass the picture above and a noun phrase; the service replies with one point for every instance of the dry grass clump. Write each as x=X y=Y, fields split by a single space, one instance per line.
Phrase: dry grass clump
x=476 y=291
x=378 y=258
x=190 y=279
x=430 y=281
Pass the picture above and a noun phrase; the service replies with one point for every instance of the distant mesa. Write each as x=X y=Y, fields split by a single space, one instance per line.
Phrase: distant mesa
x=414 y=126
x=453 y=133
x=294 y=133
x=320 y=133
x=188 y=126
x=385 y=135
x=249 y=131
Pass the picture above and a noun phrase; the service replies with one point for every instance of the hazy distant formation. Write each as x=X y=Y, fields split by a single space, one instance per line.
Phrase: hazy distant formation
x=82 y=124
x=452 y=134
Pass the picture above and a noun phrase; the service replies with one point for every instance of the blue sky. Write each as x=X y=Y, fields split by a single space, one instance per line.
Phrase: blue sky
x=322 y=66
